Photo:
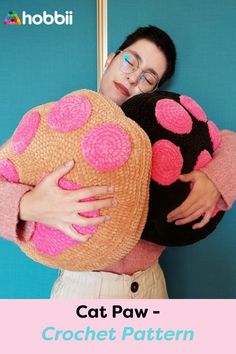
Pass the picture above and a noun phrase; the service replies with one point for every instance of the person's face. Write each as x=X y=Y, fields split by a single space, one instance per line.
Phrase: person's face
x=119 y=86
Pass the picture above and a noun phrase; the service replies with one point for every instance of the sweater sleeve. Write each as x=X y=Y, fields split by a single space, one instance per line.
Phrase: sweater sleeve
x=222 y=169
x=11 y=227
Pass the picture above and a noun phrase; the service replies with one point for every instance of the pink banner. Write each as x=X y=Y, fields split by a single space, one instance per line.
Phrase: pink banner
x=110 y=326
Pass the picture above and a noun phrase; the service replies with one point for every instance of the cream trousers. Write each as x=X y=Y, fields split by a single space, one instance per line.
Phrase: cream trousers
x=148 y=284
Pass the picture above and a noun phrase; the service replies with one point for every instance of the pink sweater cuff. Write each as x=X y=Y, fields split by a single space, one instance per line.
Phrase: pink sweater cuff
x=222 y=169
x=11 y=227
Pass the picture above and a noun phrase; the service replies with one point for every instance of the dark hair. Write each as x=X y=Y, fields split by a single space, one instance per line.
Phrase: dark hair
x=162 y=41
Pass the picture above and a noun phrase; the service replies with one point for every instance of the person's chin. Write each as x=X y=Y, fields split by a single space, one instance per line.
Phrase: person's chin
x=113 y=94
x=116 y=98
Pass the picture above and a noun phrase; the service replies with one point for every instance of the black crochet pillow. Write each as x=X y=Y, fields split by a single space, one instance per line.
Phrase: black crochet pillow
x=183 y=140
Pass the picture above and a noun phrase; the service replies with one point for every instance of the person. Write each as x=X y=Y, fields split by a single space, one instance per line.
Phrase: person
x=144 y=61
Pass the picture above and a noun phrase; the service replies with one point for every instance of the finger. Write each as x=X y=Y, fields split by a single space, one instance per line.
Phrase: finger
x=188 y=177
x=190 y=218
x=85 y=221
x=183 y=212
x=189 y=203
x=206 y=218
x=60 y=171
x=95 y=205
x=91 y=192
x=71 y=232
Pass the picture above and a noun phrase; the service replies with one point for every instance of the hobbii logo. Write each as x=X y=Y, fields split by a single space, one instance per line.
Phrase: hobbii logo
x=48 y=19
x=37 y=19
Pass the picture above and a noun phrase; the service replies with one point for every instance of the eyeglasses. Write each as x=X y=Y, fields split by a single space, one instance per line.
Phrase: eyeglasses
x=129 y=63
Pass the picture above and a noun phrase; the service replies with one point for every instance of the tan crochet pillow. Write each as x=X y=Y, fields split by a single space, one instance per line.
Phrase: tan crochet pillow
x=108 y=149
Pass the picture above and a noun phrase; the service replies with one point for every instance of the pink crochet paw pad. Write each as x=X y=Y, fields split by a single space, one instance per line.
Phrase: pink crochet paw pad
x=25 y=132
x=106 y=147
x=173 y=117
x=194 y=108
x=214 y=134
x=8 y=171
x=167 y=162
x=69 y=113
x=202 y=160
x=51 y=241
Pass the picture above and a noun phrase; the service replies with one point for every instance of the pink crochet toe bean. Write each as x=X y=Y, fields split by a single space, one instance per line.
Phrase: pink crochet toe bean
x=69 y=113
x=202 y=160
x=214 y=134
x=8 y=171
x=172 y=116
x=167 y=162
x=194 y=108
x=50 y=241
x=106 y=147
x=25 y=132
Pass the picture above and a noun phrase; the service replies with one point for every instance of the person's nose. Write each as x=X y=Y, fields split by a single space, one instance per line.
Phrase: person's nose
x=134 y=77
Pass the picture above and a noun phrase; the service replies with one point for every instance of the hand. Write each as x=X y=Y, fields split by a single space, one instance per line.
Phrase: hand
x=202 y=200
x=50 y=205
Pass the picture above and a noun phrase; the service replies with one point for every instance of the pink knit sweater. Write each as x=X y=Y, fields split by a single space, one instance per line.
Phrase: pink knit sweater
x=221 y=170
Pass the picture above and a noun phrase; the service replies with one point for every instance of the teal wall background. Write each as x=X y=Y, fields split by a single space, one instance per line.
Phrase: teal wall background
x=41 y=63
x=204 y=32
